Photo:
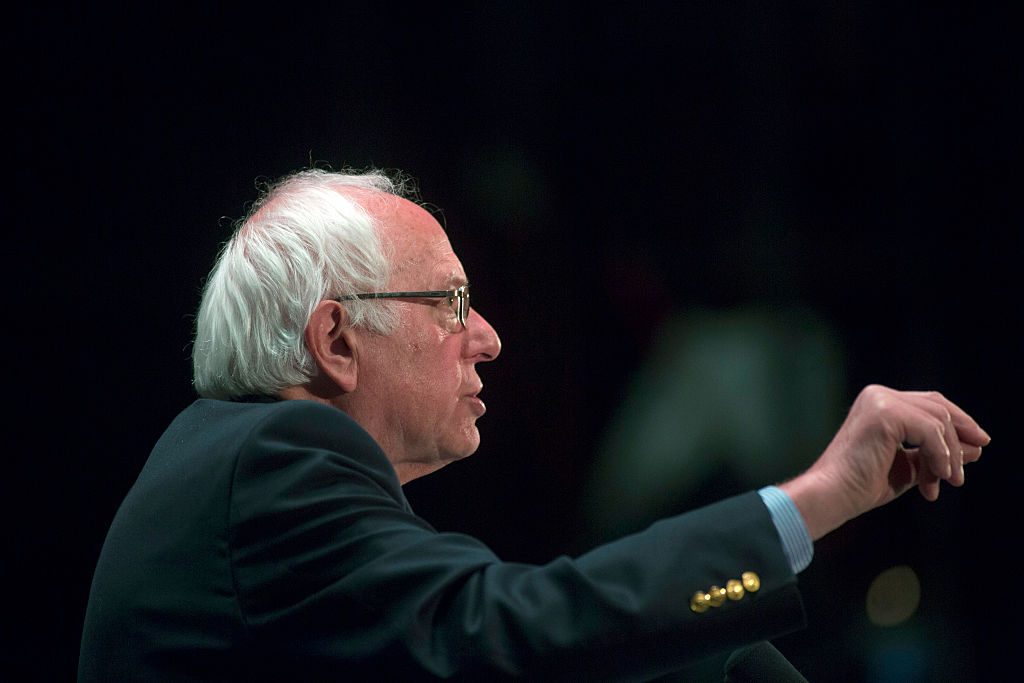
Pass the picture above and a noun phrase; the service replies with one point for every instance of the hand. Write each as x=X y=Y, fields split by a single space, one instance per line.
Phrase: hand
x=890 y=441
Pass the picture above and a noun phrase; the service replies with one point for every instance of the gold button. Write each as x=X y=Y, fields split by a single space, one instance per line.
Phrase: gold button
x=717 y=595
x=751 y=581
x=700 y=601
x=734 y=589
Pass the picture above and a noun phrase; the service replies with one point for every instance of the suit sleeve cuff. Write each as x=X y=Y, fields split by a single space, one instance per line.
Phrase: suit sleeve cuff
x=796 y=542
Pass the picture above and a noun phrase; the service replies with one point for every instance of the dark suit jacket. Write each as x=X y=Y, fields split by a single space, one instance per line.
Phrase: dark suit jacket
x=272 y=541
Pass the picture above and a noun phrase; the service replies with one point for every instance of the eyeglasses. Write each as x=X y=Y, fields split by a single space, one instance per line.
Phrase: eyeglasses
x=458 y=298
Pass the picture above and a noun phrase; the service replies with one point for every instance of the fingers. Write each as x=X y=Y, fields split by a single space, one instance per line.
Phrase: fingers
x=908 y=471
x=929 y=489
x=937 y=409
x=929 y=433
x=971 y=454
x=894 y=440
x=940 y=437
x=968 y=430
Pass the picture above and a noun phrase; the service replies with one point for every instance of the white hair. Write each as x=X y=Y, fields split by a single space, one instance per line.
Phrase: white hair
x=308 y=238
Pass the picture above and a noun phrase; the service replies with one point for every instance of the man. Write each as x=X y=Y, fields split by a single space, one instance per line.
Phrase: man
x=267 y=537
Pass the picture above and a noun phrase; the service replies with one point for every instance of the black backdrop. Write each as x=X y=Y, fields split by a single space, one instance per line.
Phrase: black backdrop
x=597 y=168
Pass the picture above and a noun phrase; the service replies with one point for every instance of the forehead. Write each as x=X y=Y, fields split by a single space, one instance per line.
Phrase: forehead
x=422 y=256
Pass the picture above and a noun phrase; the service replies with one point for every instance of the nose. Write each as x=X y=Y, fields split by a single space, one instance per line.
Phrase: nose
x=484 y=343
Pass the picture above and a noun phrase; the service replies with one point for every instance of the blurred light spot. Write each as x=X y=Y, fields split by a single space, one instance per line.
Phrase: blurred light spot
x=730 y=399
x=893 y=596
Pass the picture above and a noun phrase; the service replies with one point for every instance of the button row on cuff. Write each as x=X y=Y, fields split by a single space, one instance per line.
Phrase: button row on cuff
x=734 y=589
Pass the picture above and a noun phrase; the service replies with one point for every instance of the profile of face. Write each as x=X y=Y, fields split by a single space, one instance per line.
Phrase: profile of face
x=421 y=380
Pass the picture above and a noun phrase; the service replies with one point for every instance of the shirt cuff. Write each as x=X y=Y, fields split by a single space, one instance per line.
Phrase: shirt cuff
x=796 y=542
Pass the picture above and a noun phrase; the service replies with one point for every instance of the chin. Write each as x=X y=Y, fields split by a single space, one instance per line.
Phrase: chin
x=465 y=447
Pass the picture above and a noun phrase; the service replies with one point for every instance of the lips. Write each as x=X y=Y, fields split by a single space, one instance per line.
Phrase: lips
x=474 y=400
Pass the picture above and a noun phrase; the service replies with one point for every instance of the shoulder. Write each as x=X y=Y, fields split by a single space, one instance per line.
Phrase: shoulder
x=258 y=437
x=291 y=421
x=308 y=423
x=308 y=436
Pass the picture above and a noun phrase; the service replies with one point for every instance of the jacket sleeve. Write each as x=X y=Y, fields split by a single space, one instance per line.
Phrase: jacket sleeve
x=333 y=571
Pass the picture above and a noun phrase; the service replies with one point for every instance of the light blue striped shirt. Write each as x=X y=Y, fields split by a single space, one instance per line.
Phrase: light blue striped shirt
x=796 y=542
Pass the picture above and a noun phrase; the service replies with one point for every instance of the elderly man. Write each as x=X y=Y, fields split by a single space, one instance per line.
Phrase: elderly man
x=336 y=352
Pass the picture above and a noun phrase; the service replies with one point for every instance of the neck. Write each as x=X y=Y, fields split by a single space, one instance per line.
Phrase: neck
x=407 y=471
x=406 y=468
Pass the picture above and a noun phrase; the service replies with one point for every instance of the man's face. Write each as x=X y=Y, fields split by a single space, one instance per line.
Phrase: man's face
x=421 y=380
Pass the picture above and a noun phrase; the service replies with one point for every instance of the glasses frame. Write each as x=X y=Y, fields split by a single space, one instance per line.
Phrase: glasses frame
x=460 y=294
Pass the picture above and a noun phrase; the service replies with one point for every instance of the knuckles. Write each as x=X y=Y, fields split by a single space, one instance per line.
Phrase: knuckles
x=876 y=401
x=888 y=412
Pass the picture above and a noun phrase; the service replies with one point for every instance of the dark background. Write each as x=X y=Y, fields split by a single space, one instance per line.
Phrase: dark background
x=600 y=168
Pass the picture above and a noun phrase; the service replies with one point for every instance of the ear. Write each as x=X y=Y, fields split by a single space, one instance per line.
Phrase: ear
x=333 y=345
